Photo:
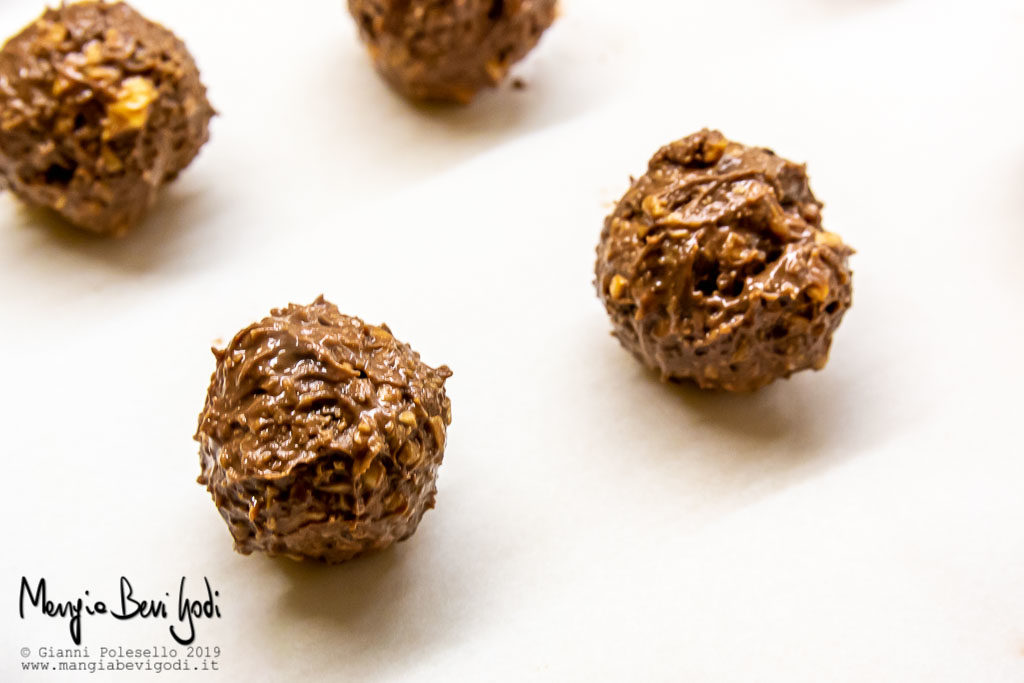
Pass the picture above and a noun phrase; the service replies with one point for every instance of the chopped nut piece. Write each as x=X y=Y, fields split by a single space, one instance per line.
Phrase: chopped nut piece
x=395 y=503
x=496 y=70
x=103 y=75
x=111 y=162
x=131 y=110
x=617 y=286
x=437 y=429
x=254 y=509
x=407 y=417
x=740 y=354
x=713 y=149
x=365 y=425
x=373 y=475
x=11 y=120
x=93 y=52
x=60 y=84
x=410 y=454
x=818 y=292
x=653 y=206
x=829 y=239
x=52 y=35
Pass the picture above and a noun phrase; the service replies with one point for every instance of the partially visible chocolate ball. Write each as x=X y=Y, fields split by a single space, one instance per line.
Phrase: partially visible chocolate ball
x=99 y=108
x=321 y=436
x=448 y=50
x=714 y=266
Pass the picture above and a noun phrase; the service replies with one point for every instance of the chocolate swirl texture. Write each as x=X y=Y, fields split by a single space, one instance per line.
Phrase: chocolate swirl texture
x=99 y=108
x=321 y=436
x=448 y=50
x=714 y=267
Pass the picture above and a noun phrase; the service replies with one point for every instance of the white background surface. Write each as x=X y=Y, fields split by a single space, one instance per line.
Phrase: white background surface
x=863 y=523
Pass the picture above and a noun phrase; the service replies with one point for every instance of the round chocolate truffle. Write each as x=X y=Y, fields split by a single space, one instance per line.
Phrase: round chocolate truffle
x=448 y=50
x=99 y=108
x=322 y=436
x=714 y=266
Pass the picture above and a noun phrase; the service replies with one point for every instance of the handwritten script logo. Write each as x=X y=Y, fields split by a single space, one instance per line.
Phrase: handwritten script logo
x=127 y=607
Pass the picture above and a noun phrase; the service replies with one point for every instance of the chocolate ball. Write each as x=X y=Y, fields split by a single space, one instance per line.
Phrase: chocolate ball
x=448 y=50
x=321 y=436
x=99 y=108
x=714 y=266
